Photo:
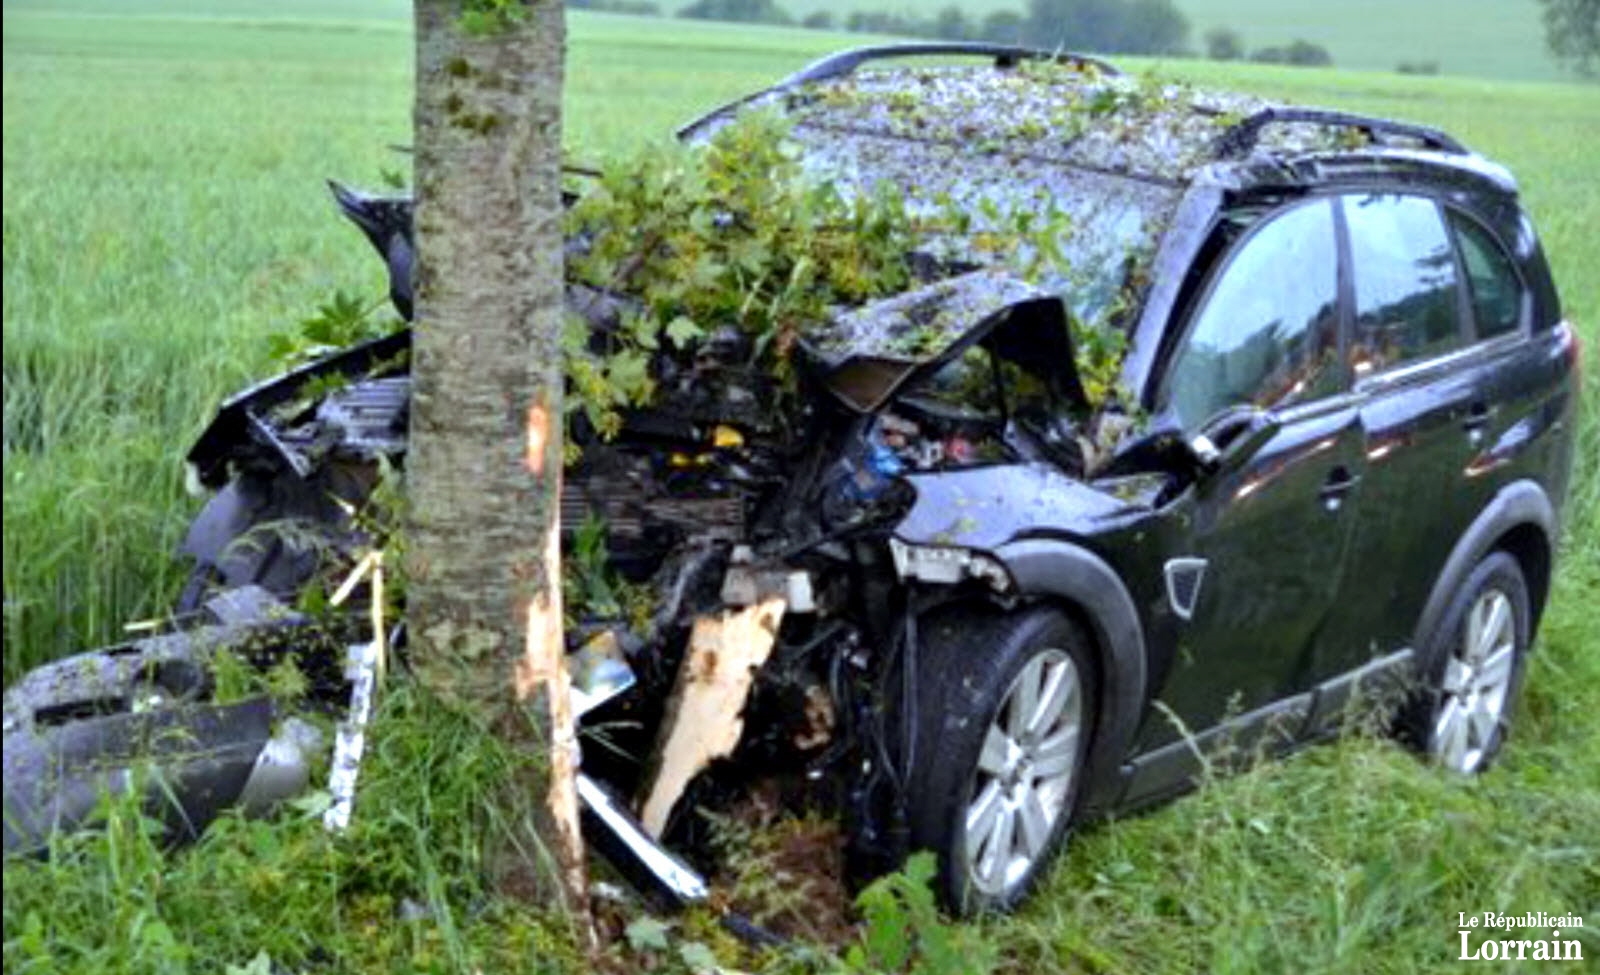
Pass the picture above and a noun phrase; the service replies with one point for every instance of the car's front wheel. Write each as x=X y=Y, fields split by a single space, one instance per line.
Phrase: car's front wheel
x=1479 y=653
x=1003 y=723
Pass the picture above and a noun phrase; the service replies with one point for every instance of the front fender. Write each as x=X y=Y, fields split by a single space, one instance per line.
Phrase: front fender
x=1061 y=570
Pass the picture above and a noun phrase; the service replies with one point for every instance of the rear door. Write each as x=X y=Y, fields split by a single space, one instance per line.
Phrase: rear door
x=1424 y=413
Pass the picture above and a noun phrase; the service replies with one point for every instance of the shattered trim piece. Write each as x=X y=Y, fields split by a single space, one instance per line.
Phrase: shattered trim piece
x=351 y=739
x=364 y=667
x=675 y=878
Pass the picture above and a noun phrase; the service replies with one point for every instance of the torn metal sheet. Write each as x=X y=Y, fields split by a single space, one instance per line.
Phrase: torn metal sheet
x=600 y=672
x=703 y=719
x=364 y=665
x=869 y=353
x=350 y=741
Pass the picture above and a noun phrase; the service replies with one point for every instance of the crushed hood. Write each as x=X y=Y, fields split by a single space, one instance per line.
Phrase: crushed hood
x=865 y=355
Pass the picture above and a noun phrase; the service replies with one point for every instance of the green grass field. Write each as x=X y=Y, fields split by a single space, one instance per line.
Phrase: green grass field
x=164 y=213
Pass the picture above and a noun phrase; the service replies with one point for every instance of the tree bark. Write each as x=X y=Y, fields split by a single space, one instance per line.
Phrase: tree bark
x=485 y=457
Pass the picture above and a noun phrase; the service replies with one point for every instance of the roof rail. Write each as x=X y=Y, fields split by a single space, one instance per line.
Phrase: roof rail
x=844 y=63
x=1243 y=137
x=1005 y=56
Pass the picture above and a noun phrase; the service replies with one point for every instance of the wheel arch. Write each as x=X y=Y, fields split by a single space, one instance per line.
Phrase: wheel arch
x=1534 y=552
x=1081 y=583
x=1519 y=520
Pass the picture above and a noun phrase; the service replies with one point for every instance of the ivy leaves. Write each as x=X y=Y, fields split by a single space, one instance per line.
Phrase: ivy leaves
x=341 y=320
x=737 y=233
x=733 y=233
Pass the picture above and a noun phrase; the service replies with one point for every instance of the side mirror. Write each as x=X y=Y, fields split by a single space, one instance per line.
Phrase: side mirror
x=1232 y=437
x=1223 y=444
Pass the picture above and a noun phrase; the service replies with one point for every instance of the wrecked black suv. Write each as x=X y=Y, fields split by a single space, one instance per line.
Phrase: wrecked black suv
x=973 y=598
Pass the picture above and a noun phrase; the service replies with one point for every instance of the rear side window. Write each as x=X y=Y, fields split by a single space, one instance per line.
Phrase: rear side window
x=1492 y=281
x=1404 y=273
x=1267 y=333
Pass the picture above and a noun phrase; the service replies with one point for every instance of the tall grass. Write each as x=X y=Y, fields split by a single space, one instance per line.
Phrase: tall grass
x=164 y=213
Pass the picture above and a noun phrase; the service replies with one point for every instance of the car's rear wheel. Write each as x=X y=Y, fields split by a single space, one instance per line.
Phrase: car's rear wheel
x=998 y=745
x=1479 y=654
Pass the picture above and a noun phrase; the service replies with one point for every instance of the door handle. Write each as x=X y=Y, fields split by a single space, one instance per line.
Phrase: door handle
x=1338 y=484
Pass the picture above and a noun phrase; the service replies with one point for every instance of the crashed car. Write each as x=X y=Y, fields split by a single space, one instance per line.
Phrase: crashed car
x=969 y=602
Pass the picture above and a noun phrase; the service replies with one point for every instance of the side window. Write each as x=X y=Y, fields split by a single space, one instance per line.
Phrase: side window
x=1267 y=333
x=1405 y=282
x=1492 y=280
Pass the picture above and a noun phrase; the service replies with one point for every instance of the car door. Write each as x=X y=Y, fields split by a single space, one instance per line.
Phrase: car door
x=1424 y=413
x=1266 y=534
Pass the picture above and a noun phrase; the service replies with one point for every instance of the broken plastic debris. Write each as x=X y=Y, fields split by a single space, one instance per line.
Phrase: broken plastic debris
x=599 y=671
x=351 y=739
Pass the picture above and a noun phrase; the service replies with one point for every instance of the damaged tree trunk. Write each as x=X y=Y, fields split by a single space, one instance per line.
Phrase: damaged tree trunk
x=484 y=470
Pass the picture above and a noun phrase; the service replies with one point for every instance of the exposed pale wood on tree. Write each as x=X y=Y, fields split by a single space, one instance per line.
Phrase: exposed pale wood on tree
x=484 y=465
x=541 y=674
x=703 y=718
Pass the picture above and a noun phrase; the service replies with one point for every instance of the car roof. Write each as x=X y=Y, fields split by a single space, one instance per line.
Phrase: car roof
x=1081 y=112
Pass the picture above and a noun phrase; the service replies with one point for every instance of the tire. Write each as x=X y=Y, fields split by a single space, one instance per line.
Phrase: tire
x=976 y=758
x=1477 y=657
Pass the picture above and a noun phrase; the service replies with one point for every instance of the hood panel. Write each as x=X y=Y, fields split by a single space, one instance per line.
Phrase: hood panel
x=867 y=354
x=986 y=507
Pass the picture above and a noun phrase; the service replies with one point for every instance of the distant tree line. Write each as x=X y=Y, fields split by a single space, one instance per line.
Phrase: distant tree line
x=1225 y=44
x=748 y=11
x=643 y=8
x=950 y=24
x=1104 y=26
x=1107 y=26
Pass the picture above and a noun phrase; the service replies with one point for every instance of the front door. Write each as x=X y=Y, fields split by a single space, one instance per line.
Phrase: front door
x=1268 y=537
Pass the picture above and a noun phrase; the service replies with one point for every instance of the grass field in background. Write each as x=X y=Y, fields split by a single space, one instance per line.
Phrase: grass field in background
x=164 y=212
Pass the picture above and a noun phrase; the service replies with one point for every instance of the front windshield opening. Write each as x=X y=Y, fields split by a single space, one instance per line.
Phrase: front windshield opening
x=967 y=412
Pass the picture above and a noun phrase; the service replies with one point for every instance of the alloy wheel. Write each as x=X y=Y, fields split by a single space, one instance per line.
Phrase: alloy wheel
x=1476 y=684
x=1025 y=770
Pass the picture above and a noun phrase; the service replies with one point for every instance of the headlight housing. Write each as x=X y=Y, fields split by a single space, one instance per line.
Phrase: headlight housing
x=947 y=565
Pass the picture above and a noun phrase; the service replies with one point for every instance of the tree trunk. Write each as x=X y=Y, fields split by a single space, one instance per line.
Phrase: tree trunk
x=484 y=466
